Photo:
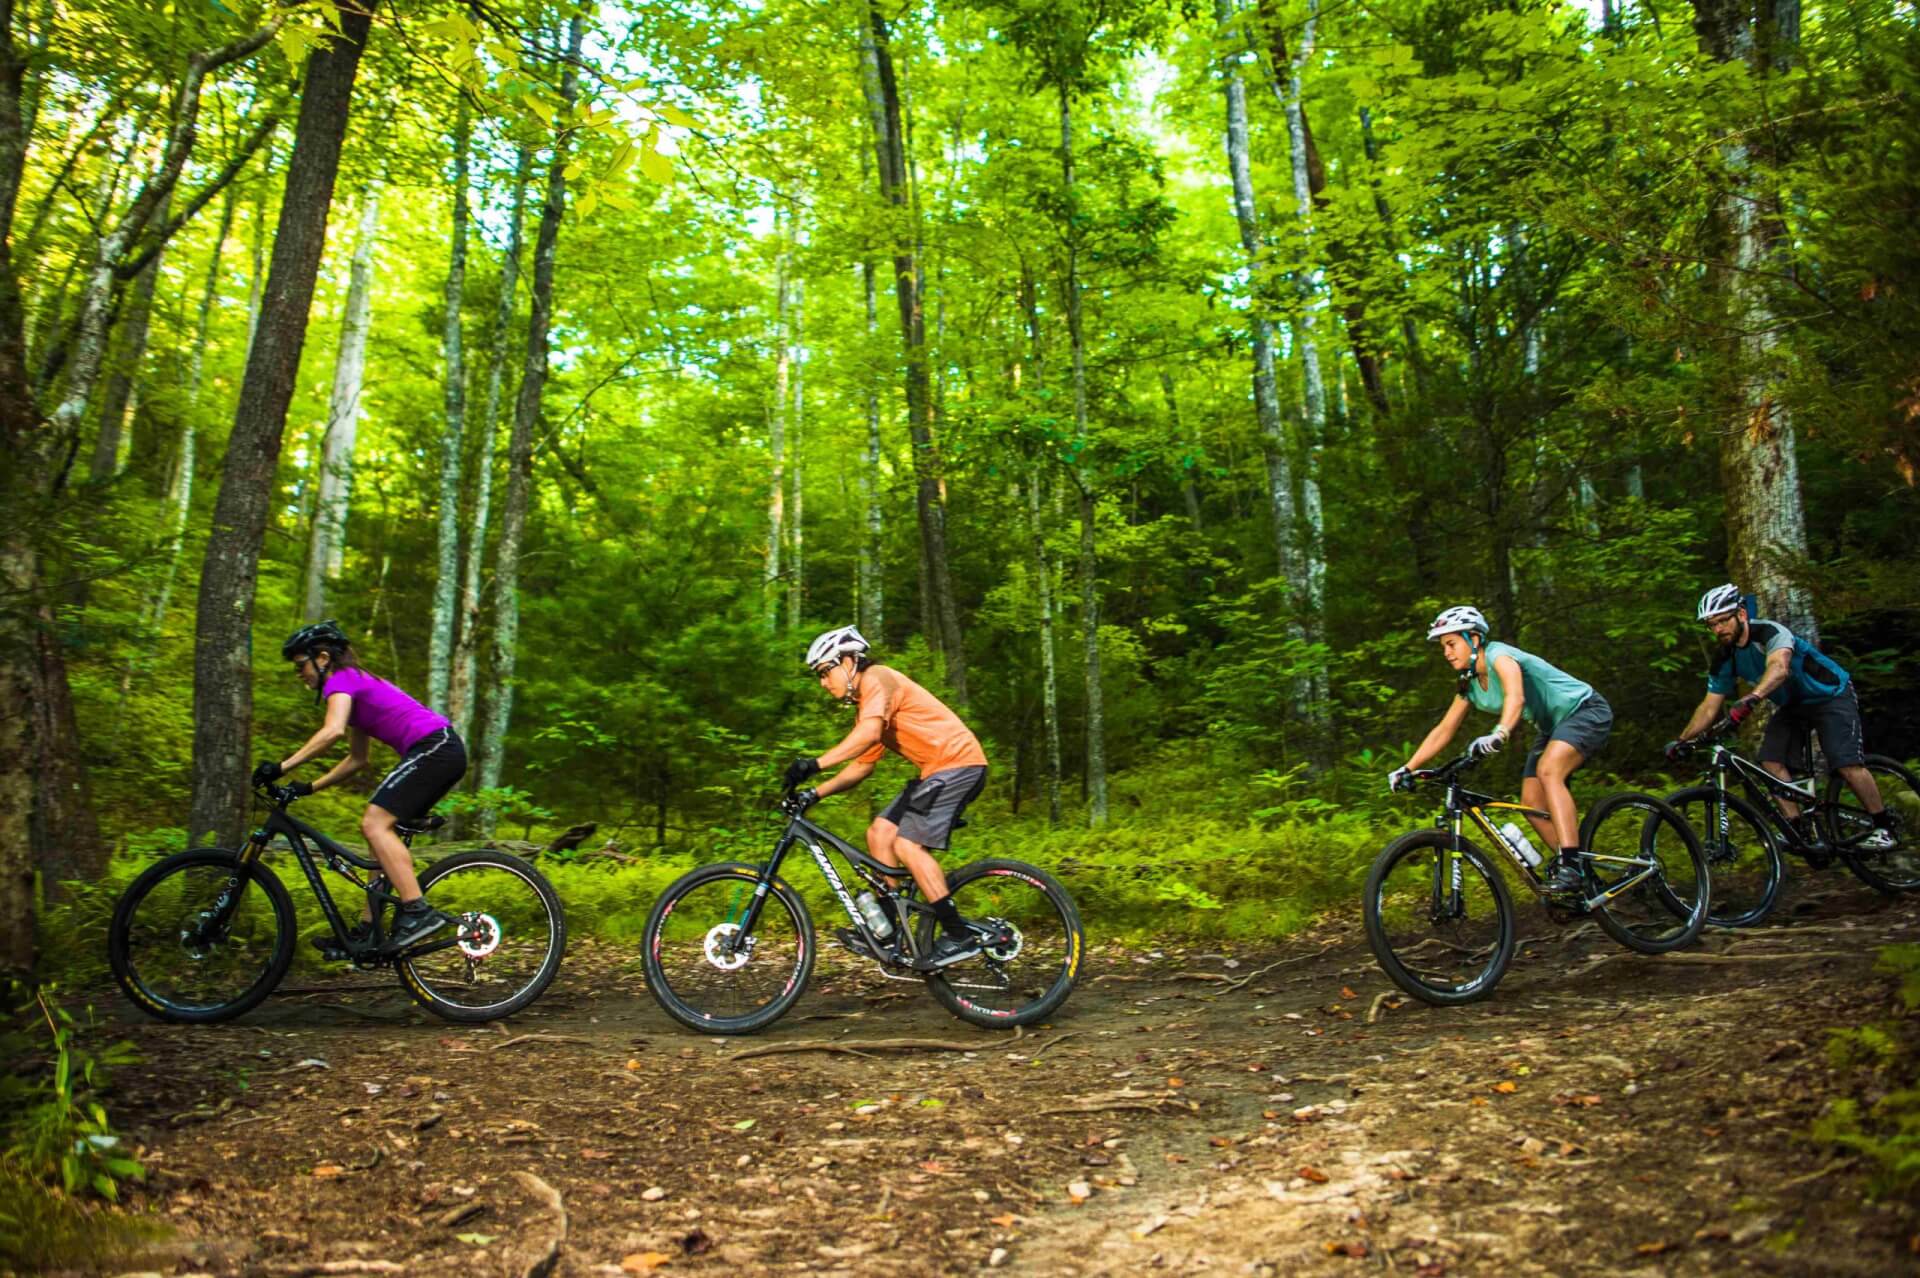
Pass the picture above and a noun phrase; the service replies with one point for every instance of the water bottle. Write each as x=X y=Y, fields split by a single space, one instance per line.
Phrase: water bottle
x=1521 y=845
x=877 y=921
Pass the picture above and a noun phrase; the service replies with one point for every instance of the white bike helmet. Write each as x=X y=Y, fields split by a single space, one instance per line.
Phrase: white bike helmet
x=1458 y=619
x=834 y=644
x=1718 y=600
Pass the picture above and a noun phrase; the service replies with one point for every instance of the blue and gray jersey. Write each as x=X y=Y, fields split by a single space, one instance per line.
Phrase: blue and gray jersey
x=1814 y=677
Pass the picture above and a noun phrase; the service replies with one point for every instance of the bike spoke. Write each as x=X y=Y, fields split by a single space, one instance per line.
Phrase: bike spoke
x=196 y=943
x=1439 y=919
x=1642 y=875
x=1038 y=951
x=505 y=937
x=704 y=962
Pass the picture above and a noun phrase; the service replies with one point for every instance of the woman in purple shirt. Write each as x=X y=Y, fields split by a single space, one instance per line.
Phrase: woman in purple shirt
x=363 y=708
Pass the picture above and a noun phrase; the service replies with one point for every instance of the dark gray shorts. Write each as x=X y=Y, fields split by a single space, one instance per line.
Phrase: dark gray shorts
x=431 y=768
x=929 y=808
x=1586 y=730
x=1837 y=720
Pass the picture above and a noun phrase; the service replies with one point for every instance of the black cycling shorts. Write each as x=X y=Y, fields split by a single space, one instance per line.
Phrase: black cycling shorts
x=929 y=808
x=431 y=767
x=1836 y=719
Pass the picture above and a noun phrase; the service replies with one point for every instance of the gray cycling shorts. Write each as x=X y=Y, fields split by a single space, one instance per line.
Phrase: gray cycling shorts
x=928 y=808
x=1836 y=720
x=1586 y=730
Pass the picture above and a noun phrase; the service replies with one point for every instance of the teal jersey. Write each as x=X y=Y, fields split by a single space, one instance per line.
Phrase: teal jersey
x=1551 y=693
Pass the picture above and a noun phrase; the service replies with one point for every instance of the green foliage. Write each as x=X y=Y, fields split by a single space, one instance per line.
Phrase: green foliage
x=498 y=803
x=55 y=1126
x=1883 y=1126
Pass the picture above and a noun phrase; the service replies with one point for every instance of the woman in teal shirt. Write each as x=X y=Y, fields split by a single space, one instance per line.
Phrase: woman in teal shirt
x=1570 y=719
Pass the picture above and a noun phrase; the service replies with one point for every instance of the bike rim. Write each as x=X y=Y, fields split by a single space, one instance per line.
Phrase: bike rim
x=702 y=963
x=190 y=950
x=1744 y=872
x=1439 y=916
x=1849 y=824
x=1642 y=873
x=1039 y=952
x=506 y=936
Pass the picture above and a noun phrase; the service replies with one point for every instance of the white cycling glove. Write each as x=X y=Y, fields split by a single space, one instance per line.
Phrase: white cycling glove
x=1481 y=747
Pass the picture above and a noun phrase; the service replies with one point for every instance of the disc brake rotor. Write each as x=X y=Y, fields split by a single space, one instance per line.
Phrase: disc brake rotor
x=717 y=947
x=1009 y=947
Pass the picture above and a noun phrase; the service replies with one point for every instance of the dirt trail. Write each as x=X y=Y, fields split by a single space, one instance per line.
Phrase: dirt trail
x=1606 y=1113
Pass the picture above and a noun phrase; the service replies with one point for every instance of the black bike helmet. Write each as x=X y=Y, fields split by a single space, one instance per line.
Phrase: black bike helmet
x=321 y=634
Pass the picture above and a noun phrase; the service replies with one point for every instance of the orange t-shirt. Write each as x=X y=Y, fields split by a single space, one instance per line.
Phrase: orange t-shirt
x=915 y=724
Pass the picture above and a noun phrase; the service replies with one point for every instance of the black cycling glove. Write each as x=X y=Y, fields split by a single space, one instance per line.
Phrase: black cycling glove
x=300 y=789
x=799 y=770
x=269 y=770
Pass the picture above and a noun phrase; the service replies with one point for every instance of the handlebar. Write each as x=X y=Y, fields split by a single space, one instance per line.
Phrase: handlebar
x=1446 y=772
x=1714 y=733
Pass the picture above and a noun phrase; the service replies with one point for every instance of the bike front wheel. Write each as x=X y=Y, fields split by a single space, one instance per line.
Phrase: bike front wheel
x=1743 y=856
x=1439 y=918
x=1027 y=974
x=200 y=938
x=1647 y=877
x=510 y=933
x=1893 y=868
x=708 y=971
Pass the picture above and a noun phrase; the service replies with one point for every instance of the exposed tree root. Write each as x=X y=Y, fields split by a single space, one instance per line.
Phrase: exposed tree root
x=544 y=1264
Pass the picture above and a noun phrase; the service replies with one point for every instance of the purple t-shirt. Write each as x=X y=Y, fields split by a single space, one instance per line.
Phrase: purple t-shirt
x=382 y=711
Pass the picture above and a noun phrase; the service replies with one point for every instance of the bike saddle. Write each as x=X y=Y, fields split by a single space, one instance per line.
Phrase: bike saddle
x=420 y=825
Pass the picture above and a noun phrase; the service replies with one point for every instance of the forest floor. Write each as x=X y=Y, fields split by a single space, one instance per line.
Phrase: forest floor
x=1603 y=1113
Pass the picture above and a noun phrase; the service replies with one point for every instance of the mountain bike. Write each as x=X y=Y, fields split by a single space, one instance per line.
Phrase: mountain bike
x=729 y=948
x=1744 y=837
x=1440 y=917
x=204 y=935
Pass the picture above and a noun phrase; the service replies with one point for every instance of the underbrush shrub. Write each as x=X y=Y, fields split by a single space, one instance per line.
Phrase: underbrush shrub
x=1879 y=1062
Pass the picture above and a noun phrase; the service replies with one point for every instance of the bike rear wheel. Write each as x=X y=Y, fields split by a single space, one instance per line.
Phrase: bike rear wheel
x=1890 y=870
x=1645 y=863
x=709 y=977
x=1440 y=920
x=1024 y=979
x=196 y=939
x=1743 y=856
x=511 y=931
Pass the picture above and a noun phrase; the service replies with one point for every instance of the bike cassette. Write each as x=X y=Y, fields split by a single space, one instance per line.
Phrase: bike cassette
x=479 y=935
x=1005 y=943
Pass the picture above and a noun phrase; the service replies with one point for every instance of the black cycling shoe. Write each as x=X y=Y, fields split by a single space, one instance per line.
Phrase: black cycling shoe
x=948 y=950
x=410 y=927
x=1565 y=878
x=329 y=944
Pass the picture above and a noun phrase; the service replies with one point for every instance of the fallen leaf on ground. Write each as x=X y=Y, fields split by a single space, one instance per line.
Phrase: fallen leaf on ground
x=1176 y=1082
x=1313 y=1174
x=1007 y=1221
x=1357 y=1250
x=1653 y=1248
x=324 y=1170
x=1506 y=1087
x=1346 y=992
x=478 y=1240
x=644 y=1262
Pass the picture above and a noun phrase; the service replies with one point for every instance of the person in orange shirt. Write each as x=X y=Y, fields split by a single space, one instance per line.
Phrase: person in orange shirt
x=895 y=713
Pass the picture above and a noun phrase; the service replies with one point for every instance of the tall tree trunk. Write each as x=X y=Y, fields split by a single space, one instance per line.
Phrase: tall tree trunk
x=1083 y=479
x=1049 y=678
x=446 y=581
x=222 y=654
x=257 y=257
x=1043 y=574
x=126 y=366
x=777 y=445
x=1307 y=339
x=460 y=696
x=1189 y=492
x=871 y=606
x=796 y=514
x=327 y=544
x=123 y=239
x=1759 y=462
x=1266 y=403
x=526 y=415
x=883 y=100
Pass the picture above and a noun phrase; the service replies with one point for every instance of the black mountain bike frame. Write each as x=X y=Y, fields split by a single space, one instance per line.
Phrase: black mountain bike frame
x=875 y=875
x=1462 y=802
x=304 y=839
x=1766 y=792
